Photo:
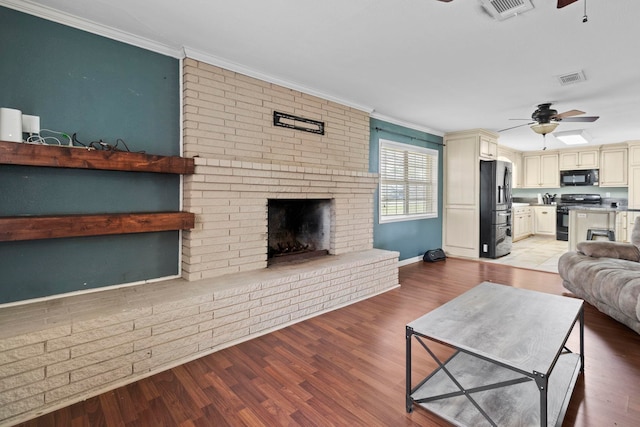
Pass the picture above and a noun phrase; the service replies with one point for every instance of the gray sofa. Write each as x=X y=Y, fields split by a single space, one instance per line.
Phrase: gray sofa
x=607 y=276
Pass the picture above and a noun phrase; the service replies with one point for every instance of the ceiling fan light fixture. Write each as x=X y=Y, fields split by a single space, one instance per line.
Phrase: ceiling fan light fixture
x=544 y=128
x=573 y=137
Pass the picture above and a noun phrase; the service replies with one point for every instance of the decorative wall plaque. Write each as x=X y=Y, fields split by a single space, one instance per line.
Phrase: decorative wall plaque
x=297 y=123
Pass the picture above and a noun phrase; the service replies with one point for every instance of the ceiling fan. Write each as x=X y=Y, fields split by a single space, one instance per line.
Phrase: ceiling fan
x=546 y=119
x=561 y=3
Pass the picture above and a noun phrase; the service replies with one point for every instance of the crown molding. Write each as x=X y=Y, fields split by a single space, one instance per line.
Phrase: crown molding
x=409 y=125
x=50 y=14
x=241 y=69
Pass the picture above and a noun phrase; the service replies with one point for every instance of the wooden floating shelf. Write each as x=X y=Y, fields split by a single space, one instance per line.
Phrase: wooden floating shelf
x=13 y=153
x=57 y=226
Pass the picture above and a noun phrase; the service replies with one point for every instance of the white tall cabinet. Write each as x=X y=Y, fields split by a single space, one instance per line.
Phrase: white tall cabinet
x=462 y=154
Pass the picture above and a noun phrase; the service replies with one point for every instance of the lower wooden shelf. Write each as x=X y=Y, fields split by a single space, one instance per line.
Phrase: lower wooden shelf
x=57 y=226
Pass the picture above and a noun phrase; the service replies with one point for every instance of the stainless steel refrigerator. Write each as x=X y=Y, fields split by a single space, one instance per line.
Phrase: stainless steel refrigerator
x=495 y=208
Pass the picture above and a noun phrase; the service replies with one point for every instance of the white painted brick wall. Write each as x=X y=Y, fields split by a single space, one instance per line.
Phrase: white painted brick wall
x=144 y=330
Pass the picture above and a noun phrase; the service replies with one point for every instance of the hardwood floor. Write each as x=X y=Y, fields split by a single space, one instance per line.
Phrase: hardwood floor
x=347 y=367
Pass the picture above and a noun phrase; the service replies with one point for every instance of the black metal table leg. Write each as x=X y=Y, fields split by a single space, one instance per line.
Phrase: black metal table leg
x=408 y=334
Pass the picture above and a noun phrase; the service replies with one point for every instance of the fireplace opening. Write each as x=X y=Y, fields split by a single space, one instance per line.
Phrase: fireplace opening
x=298 y=229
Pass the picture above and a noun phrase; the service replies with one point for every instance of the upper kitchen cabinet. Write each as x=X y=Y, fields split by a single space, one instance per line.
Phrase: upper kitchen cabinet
x=540 y=170
x=613 y=166
x=488 y=147
x=515 y=157
x=583 y=159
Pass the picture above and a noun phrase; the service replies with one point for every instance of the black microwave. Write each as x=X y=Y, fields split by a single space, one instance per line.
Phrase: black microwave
x=579 y=177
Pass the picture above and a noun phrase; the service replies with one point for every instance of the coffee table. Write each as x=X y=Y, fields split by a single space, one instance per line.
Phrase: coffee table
x=509 y=365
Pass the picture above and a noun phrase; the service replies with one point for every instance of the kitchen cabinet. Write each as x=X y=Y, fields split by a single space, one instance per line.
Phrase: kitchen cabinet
x=461 y=210
x=515 y=157
x=634 y=187
x=631 y=220
x=488 y=148
x=634 y=153
x=621 y=227
x=541 y=171
x=633 y=181
x=522 y=223
x=581 y=220
x=544 y=220
x=581 y=159
x=613 y=167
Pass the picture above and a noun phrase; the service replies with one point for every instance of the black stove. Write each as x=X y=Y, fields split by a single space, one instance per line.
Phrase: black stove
x=580 y=199
x=562 y=210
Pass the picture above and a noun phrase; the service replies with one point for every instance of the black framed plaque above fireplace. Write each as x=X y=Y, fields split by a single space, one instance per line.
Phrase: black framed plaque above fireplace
x=298 y=229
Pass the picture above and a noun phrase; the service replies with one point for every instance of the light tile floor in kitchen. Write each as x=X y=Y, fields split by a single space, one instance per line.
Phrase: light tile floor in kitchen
x=535 y=252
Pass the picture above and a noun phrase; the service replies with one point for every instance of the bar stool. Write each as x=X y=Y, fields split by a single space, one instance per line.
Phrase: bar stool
x=593 y=232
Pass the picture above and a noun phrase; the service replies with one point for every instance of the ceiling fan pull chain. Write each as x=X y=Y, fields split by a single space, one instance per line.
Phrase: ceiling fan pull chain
x=585 y=18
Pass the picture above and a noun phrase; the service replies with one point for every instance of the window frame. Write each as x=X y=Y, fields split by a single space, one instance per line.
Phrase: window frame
x=431 y=181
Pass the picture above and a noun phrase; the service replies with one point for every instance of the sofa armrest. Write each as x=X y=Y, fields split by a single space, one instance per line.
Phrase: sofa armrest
x=605 y=249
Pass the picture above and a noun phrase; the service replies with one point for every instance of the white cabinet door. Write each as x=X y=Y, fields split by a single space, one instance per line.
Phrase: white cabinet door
x=549 y=171
x=583 y=159
x=541 y=171
x=613 y=170
x=488 y=148
x=531 y=174
x=544 y=220
x=521 y=223
x=621 y=227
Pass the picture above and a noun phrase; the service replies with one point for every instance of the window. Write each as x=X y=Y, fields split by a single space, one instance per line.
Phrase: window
x=408 y=182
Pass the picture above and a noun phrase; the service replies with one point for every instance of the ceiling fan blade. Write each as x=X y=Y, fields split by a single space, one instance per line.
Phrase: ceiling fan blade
x=581 y=119
x=563 y=3
x=569 y=113
x=513 y=127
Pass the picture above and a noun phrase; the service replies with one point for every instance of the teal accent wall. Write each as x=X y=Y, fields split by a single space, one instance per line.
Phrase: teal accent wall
x=101 y=89
x=410 y=238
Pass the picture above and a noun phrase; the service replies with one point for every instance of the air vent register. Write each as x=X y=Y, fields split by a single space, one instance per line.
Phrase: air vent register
x=503 y=9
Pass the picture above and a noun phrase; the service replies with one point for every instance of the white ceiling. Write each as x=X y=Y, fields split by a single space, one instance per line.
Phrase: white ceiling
x=438 y=66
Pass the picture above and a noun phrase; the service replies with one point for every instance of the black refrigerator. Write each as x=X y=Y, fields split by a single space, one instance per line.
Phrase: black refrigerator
x=495 y=208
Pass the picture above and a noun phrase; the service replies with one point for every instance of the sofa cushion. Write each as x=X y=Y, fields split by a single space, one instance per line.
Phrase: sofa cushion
x=604 y=249
x=614 y=282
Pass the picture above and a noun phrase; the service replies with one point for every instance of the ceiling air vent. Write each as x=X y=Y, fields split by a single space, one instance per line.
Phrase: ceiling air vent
x=503 y=9
x=571 y=78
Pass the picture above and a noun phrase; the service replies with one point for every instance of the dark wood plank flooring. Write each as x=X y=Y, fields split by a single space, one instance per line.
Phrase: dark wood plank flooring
x=347 y=367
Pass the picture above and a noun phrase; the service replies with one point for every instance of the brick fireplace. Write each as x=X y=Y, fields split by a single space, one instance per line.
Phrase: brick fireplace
x=243 y=162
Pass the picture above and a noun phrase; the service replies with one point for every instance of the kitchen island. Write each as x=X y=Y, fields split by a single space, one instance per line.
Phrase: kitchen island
x=582 y=219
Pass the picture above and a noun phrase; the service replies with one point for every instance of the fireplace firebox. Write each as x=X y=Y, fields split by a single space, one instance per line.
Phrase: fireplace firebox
x=298 y=229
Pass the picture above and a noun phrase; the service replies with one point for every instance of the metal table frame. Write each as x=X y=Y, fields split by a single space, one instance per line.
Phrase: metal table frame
x=541 y=379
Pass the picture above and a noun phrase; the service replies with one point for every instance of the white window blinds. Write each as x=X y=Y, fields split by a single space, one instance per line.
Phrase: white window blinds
x=408 y=182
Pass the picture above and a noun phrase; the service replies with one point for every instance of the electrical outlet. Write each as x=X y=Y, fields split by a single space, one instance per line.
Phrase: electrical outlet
x=30 y=124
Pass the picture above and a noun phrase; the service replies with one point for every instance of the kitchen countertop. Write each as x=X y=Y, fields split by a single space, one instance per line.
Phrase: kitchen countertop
x=603 y=208
x=581 y=207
